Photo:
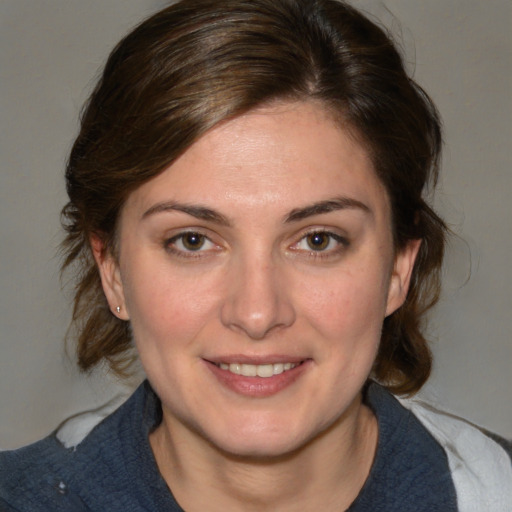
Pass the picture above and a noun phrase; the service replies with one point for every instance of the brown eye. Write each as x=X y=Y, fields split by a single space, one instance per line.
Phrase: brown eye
x=318 y=241
x=193 y=241
x=191 y=244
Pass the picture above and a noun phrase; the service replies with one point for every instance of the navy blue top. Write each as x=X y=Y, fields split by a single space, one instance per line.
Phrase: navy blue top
x=113 y=468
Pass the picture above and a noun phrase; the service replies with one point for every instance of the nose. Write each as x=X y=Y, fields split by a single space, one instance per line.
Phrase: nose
x=257 y=301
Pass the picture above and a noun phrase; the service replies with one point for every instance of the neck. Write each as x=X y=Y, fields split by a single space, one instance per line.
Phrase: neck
x=326 y=473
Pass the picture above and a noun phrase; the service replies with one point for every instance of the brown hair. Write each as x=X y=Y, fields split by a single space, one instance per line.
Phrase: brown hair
x=200 y=62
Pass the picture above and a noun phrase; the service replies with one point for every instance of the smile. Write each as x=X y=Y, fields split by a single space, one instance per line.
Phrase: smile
x=257 y=370
x=248 y=378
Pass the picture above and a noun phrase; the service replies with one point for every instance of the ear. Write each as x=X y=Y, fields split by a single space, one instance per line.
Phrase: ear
x=401 y=275
x=110 y=277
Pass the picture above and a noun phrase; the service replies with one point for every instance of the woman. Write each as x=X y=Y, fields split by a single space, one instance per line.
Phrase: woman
x=246 y=212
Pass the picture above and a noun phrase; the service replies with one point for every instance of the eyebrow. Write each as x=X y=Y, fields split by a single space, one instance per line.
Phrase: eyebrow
x=297 y=214
x=199 y=212
x=331 y=205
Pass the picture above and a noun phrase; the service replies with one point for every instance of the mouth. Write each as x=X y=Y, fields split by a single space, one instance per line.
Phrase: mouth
x=264 y=371
x=258 y=379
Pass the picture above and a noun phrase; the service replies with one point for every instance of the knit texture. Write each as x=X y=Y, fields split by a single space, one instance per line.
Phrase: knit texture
x=113 y=468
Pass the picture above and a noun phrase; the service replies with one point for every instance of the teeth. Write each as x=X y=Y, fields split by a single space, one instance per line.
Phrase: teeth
x=265 y=370
x=235 y=368
x=257 y=370
x=278 y=368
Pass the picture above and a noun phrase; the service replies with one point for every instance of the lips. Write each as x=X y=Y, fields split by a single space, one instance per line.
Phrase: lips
x=258 y=378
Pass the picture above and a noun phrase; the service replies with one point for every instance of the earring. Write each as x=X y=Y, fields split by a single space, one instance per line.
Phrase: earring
x=118 y=309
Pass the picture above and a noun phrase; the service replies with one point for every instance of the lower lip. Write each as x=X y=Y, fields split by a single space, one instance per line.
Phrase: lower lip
x=258 y=387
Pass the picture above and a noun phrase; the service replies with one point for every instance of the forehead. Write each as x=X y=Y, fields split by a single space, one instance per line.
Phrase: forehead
x=283 y=155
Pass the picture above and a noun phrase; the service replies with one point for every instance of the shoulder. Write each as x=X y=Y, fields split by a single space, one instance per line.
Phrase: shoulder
x=480 y=463
x=100 y=460
x=32 y=478
x=408 y=463
x=37 y=477
x=422 y=448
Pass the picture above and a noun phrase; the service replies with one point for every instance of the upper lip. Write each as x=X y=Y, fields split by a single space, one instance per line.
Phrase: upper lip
x=256 y=360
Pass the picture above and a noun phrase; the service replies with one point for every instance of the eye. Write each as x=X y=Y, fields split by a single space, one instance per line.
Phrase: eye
x=321 y=242
x=318 y=241
x=189 y=242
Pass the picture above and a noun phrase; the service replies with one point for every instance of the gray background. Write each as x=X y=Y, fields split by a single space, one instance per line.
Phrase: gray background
x=50 y=53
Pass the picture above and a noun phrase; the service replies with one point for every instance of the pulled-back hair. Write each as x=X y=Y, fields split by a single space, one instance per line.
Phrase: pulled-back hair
x=200 y=62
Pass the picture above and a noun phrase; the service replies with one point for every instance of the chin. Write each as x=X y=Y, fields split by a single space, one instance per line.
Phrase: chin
x=258 y=448
x=260 y=440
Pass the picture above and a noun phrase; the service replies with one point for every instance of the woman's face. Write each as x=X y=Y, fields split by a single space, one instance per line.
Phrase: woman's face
x=256 y=272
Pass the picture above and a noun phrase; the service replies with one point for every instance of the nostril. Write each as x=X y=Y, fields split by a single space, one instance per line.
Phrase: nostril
x=257 y=301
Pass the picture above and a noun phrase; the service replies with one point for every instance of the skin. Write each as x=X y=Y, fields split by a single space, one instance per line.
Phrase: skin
x=267 y=278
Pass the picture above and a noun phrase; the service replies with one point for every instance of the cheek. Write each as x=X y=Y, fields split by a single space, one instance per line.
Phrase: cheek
x=350 y=303
x=164 y=306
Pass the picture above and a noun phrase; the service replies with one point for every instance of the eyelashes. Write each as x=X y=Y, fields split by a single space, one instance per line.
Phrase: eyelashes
x=190 y=241
x=315 y=244
x=321 y=243
x=190 y=244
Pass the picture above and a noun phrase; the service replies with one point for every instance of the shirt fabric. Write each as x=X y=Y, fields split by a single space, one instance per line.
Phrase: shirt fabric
x=113 y=469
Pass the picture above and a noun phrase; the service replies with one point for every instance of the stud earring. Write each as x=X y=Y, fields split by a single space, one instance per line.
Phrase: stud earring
x=118 y=309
